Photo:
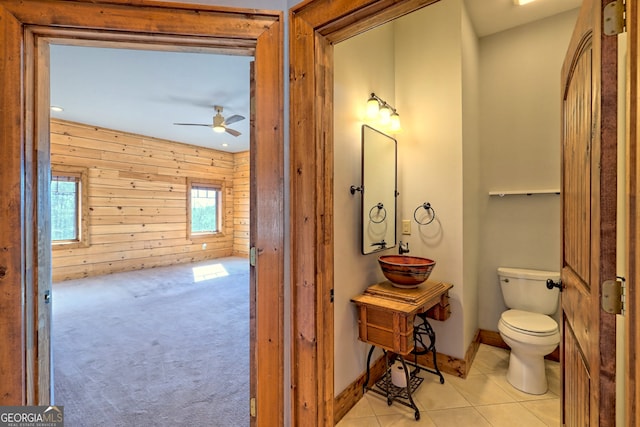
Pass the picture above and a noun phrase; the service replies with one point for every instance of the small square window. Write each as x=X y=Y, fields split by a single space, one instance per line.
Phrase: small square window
x=65 y=208
x=69 y=208
x=205 y=208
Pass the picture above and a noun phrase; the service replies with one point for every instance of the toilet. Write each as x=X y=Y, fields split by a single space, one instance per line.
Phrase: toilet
x=527 y=326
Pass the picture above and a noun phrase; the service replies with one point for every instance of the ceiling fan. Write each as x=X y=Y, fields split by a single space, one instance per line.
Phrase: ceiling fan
x=219 y=122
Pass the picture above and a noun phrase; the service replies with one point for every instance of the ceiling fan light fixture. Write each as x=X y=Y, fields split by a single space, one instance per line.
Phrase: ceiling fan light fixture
x=218 y=123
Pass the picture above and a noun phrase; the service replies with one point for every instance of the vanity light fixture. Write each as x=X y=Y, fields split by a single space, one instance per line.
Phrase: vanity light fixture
x=373 y=107
x=385 y=115
x=521 y=2
x=378 y=108
x=394 y=122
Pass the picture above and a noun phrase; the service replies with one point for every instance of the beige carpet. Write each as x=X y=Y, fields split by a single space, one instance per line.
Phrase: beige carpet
x=160 y=347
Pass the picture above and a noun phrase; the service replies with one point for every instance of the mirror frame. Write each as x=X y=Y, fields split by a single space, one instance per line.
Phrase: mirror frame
x=373 y=197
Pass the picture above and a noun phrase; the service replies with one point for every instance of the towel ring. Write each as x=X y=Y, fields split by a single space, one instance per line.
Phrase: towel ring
x=380 y=207
x=427 y=207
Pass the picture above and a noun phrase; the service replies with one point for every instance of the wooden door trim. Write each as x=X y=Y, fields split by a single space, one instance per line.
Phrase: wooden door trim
x=139 y=16
x=21 y=265
x=632 y=331
x=13 y=283
x=314 y=26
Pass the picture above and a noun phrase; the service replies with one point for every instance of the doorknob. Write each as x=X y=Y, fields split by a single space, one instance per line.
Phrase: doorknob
x=551 y=284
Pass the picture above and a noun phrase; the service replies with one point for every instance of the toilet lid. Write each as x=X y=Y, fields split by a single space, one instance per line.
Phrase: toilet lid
x=532 y=323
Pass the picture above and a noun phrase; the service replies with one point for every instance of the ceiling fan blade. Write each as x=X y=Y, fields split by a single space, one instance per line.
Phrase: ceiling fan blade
x=193 y=124
x=232 y=132
x=233 y=119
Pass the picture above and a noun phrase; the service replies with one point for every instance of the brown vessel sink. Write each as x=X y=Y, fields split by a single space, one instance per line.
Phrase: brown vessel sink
x=405 y=271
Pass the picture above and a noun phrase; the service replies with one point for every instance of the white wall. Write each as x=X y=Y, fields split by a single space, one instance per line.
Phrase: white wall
x=520 y=150
x=470 y=175
x=430 y=149
x=359 y=70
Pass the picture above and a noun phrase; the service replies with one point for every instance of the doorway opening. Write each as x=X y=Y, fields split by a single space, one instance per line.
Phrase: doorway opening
x=146 y=296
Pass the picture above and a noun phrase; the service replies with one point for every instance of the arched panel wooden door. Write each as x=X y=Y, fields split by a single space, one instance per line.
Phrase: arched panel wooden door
x=589 y=147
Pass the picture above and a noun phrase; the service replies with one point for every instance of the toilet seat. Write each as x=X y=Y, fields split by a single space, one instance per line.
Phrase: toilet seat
x=525 y=322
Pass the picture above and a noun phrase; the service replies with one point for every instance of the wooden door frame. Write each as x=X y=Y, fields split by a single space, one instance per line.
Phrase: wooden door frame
x=632 y=327
x=24 y=142
x=315 y=26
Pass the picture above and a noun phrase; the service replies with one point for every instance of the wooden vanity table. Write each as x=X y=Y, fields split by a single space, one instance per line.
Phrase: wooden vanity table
x=386 y=316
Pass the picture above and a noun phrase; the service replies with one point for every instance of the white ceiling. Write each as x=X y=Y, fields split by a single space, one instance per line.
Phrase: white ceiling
x=493 y=16
x=145 y=92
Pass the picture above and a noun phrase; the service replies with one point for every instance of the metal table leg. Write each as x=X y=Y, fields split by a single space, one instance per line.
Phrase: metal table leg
x=386 y=388
x=409 y=377
x=366 y=381
x=420 y=333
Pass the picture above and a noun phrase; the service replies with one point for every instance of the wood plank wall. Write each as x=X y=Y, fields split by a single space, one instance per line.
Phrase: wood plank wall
x=241 y=204
x=137 y=195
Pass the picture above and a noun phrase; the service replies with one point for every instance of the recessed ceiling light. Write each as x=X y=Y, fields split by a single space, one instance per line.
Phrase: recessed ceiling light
x=56 y=108
x=225 y=145
x=521 y=2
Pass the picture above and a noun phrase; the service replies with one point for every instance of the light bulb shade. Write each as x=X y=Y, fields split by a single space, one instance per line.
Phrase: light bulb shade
x=218 y=123
x=373 y=106
x=385 y=115
x=394 y=122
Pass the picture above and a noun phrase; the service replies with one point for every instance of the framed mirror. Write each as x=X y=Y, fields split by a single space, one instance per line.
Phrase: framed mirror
x=379 y=190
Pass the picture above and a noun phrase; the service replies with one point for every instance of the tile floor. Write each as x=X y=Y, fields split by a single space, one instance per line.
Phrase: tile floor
x=484 y=398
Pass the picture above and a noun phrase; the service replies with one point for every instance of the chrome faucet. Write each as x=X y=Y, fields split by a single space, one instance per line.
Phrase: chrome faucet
x=403 y=248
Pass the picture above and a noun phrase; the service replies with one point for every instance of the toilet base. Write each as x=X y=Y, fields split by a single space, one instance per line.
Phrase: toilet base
x=527 y=373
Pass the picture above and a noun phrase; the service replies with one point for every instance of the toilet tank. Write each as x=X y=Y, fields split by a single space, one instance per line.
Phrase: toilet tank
x=527 y=290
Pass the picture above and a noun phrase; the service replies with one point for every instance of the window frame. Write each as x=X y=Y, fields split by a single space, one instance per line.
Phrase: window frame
x=209 y=184
x=79 y=175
